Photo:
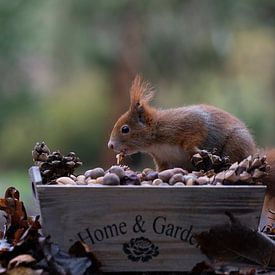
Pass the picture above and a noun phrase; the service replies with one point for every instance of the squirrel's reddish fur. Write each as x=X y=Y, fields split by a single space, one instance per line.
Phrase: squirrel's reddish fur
x=172 y=136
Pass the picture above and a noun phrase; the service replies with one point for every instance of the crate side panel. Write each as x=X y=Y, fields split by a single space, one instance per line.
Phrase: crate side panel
x=118 y=222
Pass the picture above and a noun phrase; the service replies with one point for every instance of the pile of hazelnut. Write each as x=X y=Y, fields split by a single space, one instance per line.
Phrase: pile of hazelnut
x=249 y=171
x=210 y=169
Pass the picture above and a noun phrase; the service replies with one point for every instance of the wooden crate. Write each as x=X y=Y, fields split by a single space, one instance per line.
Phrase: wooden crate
x=135 y=228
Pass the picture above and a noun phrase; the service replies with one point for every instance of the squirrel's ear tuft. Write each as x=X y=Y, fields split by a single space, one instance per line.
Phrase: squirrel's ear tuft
x=141 y=91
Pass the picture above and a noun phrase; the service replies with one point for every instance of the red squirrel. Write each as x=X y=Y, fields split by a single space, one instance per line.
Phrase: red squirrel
x=172 y=136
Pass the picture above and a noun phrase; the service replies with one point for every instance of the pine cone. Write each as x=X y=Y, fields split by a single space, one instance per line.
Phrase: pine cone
x=206 y=161
x=249 y=171
x=54 y=165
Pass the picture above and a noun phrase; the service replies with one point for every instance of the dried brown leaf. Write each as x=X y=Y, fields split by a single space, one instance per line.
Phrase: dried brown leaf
x=21 y=260
x=21 y=270
x=12 y=192
x=17 y=235
x=81 y=249
x=237 y=242
x=4 y=206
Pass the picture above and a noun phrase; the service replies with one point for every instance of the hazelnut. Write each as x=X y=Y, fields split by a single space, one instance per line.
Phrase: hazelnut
x=111 y=179
x=157 y=182
x=165 y=175
x=152 y=175
x=176 y=178
x=80 y=180
x=91 y=181
x=65 y=180
x=178 y=170
x=203 y=180
x=99 y=180
x=130 y=178
x=118 y=170
x=94 y=173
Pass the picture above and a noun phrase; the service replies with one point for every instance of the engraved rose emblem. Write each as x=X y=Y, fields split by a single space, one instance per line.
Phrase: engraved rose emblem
x=140 y=249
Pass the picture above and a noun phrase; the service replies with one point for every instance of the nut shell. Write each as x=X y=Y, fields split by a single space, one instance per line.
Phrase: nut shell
x=99 y=180
x=176 y=178
x=118 y=170
x=80 y=180
x=152 y=175
x=91 y=181
x=111 y=179
x=130 y=178
x=157 y=182
x=65 y=180
x=166 y=175
x=203 y=180
x=179 y=170
x=94 y=173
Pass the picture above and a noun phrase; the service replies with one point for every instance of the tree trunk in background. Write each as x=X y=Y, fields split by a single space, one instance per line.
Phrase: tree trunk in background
x=126 y=66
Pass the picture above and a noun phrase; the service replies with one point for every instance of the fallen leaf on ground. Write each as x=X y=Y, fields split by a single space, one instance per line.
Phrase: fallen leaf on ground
x=24 y=260
x=234 y=242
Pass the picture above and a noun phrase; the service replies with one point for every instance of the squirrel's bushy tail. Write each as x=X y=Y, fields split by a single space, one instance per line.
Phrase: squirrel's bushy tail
x=270 y=178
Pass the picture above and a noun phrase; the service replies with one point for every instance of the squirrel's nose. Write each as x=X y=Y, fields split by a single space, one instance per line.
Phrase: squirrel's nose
x=110 y=145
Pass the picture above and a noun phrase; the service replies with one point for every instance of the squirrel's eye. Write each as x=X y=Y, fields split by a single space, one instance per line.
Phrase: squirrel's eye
x=125 y=129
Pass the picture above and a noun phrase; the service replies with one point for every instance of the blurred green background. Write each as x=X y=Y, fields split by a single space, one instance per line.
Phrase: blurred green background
x=66 y=67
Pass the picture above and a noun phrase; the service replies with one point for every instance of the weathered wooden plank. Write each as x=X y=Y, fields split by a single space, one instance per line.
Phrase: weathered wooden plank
x=166 y=217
